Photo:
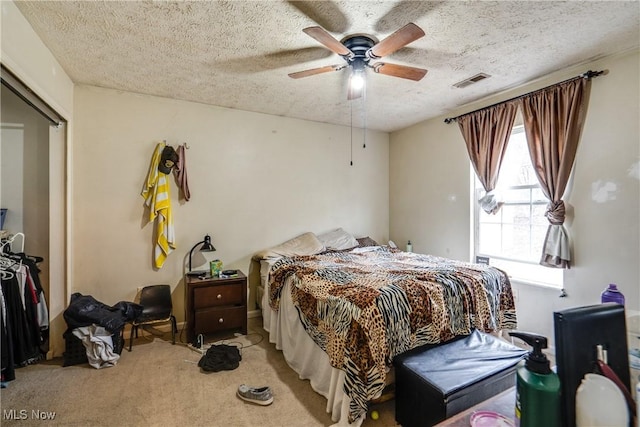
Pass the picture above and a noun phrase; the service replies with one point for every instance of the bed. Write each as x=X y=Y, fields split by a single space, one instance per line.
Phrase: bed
x=340 y=309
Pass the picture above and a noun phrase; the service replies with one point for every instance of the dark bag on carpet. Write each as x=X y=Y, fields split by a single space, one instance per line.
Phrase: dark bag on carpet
x=220 y=358
x=85 y=310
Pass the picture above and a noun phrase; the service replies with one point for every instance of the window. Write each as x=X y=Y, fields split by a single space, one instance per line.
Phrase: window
x=512 y=239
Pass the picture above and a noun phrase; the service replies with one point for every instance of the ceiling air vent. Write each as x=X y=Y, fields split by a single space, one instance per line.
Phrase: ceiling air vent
x=471 y=80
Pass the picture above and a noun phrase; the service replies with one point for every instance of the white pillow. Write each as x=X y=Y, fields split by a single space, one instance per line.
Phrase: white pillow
x=304 y=244
x=338 y=240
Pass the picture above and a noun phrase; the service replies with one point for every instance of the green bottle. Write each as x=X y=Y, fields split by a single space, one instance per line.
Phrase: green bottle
x=537 y=386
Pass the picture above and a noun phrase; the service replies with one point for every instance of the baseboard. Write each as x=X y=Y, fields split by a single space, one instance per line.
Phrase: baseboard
x=254 y=313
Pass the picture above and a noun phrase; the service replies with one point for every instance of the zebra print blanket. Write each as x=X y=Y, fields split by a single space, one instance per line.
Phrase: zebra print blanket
x=363 y=307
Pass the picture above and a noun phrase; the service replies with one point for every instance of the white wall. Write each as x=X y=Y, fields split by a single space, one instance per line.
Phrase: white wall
x=11 y=179
x=429 y=190
x=429 y=200
x=256 y=181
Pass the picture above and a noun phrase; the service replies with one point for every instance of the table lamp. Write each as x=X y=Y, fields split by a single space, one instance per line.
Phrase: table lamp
x=206 y=247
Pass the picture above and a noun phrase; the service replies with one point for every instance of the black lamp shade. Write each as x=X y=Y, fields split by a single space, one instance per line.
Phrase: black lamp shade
x=206 y=247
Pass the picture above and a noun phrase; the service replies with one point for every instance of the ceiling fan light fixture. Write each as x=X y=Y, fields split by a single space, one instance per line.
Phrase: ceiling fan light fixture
x=357 y=80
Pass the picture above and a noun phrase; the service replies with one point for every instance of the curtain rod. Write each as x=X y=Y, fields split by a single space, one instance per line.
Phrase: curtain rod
x=587 y=75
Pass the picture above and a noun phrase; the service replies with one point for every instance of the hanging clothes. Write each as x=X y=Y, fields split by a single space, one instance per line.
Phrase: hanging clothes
x=24 y=320
x=7 y=363
x=42 y=312
x=180 y=173
x=157 y=198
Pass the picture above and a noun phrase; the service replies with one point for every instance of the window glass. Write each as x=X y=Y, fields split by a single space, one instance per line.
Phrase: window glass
x=513 y=238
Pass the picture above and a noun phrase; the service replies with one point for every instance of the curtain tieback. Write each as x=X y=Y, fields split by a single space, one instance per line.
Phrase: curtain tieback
x=555 y=212
x=490 y=202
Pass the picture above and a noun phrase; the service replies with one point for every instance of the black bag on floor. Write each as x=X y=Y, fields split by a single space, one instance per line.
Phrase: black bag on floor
x=85 y=310
x=220 y=358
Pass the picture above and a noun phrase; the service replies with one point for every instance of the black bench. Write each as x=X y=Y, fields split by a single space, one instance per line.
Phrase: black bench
x=436 y=382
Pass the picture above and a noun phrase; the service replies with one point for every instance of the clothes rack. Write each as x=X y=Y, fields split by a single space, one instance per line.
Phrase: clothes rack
x=9 y=241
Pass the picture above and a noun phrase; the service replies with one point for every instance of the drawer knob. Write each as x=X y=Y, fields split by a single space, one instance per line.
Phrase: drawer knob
x=219 y=296
x=221 y=320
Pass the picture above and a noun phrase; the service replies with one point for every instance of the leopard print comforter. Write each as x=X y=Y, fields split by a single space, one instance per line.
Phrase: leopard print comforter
x=365 y=307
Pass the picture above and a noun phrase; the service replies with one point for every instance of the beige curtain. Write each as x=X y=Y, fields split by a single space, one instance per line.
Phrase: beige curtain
x=486 y=133
x=553 y=120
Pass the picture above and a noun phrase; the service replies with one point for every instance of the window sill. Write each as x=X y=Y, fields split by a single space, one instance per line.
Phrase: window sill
x=527 y=273
x=526 y=282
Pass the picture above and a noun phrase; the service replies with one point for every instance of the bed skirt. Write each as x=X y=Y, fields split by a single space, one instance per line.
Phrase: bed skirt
x=304 y=356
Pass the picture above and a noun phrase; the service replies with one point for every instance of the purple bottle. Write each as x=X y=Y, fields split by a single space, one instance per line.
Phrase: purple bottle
x=612 y=294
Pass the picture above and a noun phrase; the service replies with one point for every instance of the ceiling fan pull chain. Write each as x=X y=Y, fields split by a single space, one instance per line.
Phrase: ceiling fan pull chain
x=364 y=113
x=351 y=108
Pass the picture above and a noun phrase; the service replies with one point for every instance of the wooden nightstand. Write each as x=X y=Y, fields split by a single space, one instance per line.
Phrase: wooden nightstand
x=216 y=304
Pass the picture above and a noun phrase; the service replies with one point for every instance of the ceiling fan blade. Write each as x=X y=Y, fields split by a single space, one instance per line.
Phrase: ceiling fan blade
x=271 y=61
x=324 y=13
x=402 y=71
x=395 y=41
x=328 y=40
x=314 y=71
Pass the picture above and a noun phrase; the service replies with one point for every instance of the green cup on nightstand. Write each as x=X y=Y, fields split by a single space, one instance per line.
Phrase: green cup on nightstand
x=216 y=267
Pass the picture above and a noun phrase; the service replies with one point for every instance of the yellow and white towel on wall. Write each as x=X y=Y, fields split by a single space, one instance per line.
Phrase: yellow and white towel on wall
x=157 y=198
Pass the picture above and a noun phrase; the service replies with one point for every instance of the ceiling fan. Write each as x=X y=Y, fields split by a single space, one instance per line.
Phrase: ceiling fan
x=359 y=50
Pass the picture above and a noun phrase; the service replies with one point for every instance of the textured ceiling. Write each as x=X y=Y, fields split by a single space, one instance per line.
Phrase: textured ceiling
x=237 y=54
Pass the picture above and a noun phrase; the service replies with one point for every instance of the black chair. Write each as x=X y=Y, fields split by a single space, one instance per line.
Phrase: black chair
x=157 y=308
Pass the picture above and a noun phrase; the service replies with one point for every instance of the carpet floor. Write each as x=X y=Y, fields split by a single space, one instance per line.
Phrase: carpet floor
x=160 y=384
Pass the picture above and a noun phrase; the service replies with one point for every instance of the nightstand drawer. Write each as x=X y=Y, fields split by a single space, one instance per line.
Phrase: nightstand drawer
x=219 y=319
x=215 y=304
x=215 y=296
